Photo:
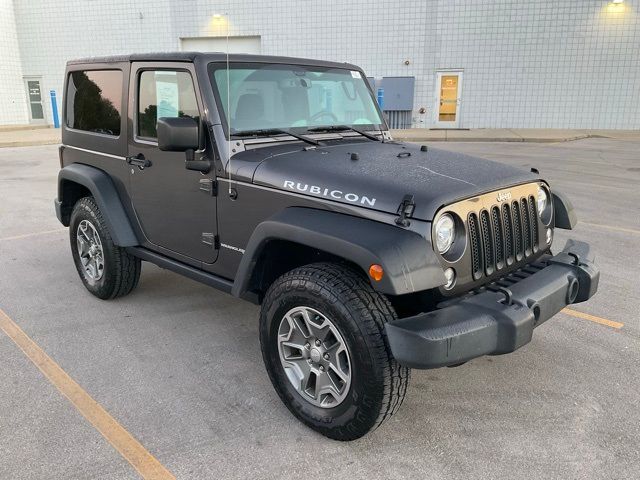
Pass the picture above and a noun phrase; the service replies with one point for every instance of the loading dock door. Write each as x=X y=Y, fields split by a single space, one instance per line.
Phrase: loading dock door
x=249 y=44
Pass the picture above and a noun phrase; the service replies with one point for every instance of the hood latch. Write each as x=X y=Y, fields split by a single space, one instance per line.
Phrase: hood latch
x=405 y=210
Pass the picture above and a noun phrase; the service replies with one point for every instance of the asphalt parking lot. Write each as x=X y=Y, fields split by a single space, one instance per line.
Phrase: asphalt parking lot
x=178 y=364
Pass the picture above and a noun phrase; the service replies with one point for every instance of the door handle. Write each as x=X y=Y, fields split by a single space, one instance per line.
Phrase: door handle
x=139 y=161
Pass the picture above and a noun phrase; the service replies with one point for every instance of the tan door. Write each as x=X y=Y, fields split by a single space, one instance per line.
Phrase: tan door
x=448 y=99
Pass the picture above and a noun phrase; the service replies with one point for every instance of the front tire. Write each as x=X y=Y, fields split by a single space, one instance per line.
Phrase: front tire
x=105 y=269
x=325 y=349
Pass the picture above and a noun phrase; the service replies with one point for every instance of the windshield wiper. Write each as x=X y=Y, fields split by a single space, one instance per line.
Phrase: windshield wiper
x=341 y=128
x=277 y=131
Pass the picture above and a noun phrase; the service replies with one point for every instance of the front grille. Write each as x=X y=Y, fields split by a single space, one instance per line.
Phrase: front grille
x=474 y=241
x=502 y=234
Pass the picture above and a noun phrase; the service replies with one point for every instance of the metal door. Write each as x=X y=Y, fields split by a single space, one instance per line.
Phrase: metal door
x=172 y=207
x=34 y=100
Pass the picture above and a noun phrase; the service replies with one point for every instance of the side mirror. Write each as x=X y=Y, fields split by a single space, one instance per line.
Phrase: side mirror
x=180 y=134
x=177 y=134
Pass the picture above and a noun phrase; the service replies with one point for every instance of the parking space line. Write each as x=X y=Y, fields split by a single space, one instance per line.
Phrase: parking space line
x=593 y=318
x=611 y=227
x=34 y=234
x=132 y=451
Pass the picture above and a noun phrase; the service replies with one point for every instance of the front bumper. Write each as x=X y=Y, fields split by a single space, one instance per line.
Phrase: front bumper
x=499 y=319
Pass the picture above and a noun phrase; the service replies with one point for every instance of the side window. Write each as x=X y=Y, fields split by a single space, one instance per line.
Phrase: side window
x=164 y=93
x=94 y=99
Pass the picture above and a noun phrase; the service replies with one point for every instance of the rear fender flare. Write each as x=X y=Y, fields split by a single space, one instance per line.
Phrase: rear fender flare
x=106 y=196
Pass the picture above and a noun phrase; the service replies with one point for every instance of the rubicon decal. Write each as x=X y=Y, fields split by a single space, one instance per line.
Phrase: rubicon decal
x=331 y=193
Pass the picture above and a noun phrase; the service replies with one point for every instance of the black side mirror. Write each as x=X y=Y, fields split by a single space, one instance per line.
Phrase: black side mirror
x=177 y=134
x=180 y=134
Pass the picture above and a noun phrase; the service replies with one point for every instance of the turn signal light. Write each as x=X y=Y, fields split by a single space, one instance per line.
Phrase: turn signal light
x=376 y=272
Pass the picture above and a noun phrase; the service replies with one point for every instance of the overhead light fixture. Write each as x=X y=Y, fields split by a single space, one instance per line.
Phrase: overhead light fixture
x=616 y=6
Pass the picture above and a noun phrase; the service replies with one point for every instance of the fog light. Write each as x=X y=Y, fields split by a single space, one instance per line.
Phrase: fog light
x=450 y=275
x=549 y=236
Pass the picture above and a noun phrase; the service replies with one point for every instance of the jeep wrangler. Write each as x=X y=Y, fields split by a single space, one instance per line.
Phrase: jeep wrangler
x=276 y=180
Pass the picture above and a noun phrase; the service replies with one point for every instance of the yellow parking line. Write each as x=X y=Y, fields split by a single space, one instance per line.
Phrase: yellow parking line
x=593 y=318
x=34 y=234
x=132 y=451
x=611 y=227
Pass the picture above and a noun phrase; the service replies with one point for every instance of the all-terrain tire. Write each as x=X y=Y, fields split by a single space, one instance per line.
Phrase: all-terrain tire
x=378 y=383
x=121 y=271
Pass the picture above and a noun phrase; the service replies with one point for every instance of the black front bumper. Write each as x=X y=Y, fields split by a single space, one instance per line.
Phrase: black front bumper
x=499 y=319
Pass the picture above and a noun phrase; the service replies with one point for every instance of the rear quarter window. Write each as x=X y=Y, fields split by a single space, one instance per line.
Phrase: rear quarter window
x=94 y=100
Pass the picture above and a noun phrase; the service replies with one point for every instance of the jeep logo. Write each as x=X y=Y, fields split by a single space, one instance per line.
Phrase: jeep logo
x=504 y=196
x=329 y=193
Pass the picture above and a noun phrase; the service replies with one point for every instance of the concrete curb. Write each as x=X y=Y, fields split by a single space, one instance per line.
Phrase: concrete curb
x=495 y=139
x=25 y=143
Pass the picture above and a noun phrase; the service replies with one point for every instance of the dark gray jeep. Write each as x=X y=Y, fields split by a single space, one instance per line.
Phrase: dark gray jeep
x=276 y=180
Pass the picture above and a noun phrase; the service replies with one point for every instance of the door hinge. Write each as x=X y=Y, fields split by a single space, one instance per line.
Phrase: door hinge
x=208 y=238
x=209 y=186
x=211 y=239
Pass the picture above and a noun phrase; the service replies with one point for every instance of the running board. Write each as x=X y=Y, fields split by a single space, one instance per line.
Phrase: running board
x=193 y=273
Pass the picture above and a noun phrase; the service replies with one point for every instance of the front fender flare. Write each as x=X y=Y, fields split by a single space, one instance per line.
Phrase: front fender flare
x=407 y=258
x=106 y=196
x=565 y=216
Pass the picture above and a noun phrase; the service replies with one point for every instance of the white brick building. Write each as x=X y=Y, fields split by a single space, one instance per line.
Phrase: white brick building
x=495 y=63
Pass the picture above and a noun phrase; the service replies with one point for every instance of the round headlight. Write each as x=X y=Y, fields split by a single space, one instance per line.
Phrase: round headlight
x=444 y=233
x=543 y=201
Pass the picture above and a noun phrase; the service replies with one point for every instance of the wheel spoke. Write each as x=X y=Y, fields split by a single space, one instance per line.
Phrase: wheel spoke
x=316 y=327
x=99 y=265
x=309 y=385
x=83 y=231
x=293 y=347
x=83 y=246
x=325 y=385
x=299 y=332
x=308 y=323
x=344 y=377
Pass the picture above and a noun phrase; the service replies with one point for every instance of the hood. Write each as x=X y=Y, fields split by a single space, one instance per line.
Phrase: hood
x=380 y=177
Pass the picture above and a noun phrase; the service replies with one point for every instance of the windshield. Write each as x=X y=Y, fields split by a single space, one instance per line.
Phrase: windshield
x=267 y=96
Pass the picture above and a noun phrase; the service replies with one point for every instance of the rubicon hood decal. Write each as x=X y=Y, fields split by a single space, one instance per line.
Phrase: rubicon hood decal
x=329 y=192
x=379 y=177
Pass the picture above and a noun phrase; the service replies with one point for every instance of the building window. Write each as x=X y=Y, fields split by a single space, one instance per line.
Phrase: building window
x=164 y=93
x=94 y=100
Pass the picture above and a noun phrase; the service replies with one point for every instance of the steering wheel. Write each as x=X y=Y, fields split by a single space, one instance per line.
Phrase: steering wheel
x=323 y=113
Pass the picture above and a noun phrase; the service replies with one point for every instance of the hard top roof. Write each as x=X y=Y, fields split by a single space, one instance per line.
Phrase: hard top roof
x=207 y=57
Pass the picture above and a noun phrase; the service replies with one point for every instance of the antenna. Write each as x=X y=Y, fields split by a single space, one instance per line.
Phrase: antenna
x=228 y=111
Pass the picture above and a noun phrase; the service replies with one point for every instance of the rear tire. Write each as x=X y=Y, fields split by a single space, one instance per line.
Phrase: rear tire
x=105 y=269
x=339 y=298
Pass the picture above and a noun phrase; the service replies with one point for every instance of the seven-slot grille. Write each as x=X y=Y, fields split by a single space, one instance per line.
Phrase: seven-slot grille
x=501 y=235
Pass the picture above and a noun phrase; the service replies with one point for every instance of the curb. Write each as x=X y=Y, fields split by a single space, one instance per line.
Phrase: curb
x=498 y=139
x=35 y=143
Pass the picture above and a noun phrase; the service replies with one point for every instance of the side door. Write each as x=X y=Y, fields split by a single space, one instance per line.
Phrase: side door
x=448 y=99
x=175 y=213
x=34 y=97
